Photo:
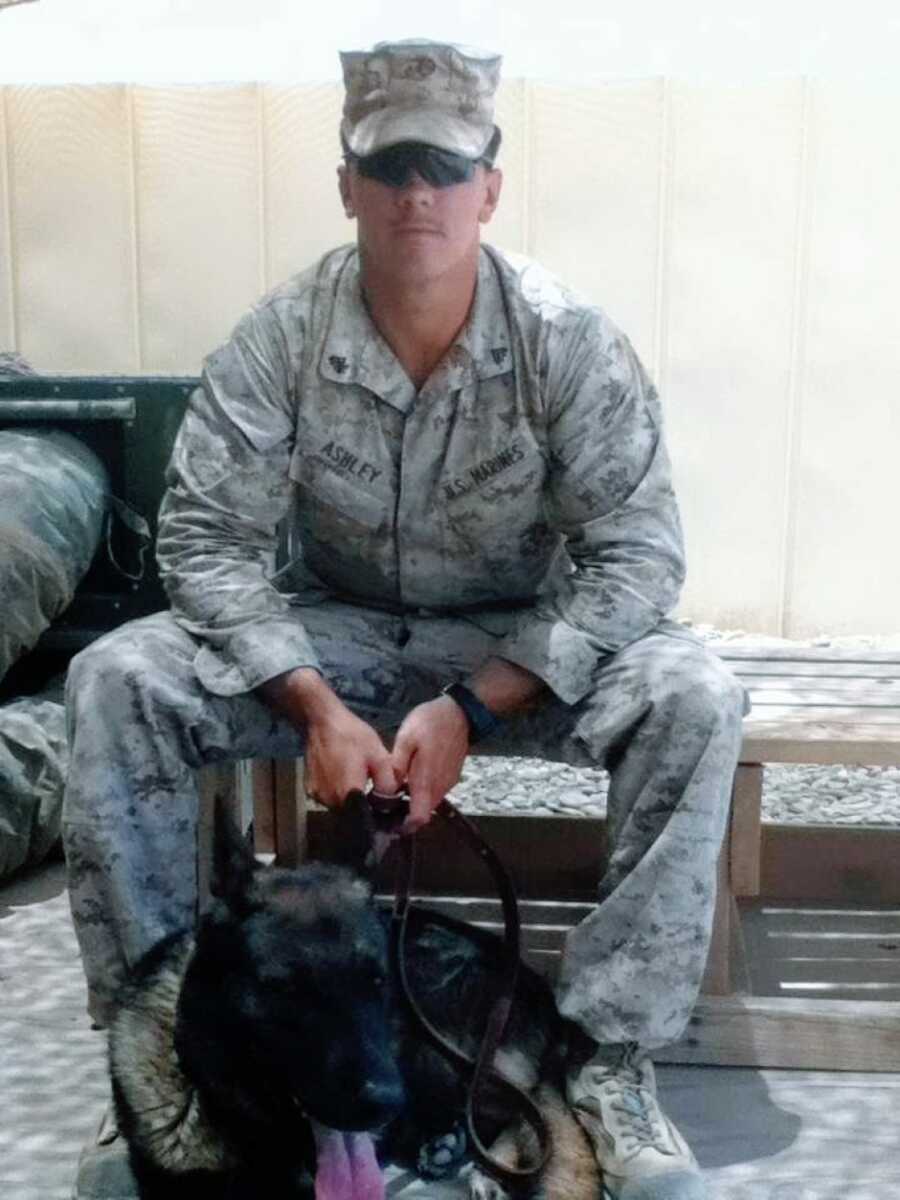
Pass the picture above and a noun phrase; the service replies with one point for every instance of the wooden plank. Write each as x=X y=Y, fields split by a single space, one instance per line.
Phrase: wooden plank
x=290 y=813
x=845 y=718
x=792 y=920
x=744 y=830
x=828 y=973
x=542 y=945
x=263 y=785
x=798 y=862
x=804 y=654
x=479 y=908
x=751 y=669
x=854 y=694
x=812 y=1035
x=836 y=864
x=823 y=952
x=560 y=857
x=791 y=740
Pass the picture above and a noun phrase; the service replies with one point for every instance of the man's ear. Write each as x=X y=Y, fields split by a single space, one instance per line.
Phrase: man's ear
x=233 y=863
x=344 y=187
x=493 y=186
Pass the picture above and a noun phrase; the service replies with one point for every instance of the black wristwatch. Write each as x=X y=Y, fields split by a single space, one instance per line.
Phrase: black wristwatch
x=480 y=718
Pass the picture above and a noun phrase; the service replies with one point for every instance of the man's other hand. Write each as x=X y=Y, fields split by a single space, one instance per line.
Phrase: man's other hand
x=429 y=751
x=342 y=752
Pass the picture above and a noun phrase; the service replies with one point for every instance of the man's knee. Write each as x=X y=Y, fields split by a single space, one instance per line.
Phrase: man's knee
x=111 y=674
x=702 y=691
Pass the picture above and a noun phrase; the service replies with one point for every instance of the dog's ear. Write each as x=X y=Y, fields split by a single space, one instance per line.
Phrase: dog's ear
x=233 y=863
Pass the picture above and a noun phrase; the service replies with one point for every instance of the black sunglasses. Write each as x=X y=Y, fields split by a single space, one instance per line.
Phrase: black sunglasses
x=395 y=165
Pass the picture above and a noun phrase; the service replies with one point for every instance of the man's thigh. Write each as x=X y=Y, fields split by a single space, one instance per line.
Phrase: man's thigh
x=667 y=664
x=379 y=664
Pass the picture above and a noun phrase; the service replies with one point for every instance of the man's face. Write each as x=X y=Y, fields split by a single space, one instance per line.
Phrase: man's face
x=417 y=233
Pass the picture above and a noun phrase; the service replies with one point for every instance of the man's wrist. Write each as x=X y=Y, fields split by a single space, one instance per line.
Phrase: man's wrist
x=481 y=721
x=507 y=688
x=301 y=691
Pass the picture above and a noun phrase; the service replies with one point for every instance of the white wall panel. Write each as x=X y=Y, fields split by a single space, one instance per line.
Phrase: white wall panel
x=595 y=197
x=69 y=153
x=199 y=218
x=7 y=292
x=846 y=575
x=508 y=228
x=745 y=238
x=731 y=266
x=304 y=215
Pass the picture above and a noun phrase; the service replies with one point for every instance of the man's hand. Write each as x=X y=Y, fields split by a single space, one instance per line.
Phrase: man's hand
x=432 y=743
x=342 y=751
x=429 y=751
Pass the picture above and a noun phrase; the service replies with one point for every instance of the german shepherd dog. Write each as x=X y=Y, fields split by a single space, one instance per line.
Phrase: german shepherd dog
x=270 y=1054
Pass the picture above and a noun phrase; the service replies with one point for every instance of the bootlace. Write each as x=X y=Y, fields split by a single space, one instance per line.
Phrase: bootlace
x=645 y=1131
x=637 y=1102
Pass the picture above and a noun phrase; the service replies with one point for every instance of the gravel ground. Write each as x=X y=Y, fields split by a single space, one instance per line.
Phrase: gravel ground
x=798 y=795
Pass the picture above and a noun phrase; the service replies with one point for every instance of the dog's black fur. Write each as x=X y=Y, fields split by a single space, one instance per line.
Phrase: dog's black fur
x=283 y=1006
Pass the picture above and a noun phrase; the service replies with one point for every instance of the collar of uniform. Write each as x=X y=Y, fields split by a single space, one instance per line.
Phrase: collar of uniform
x=355 y=352
x=483 y=346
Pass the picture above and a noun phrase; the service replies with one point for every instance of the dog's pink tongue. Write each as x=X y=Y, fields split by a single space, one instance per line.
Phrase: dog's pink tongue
x=346 y=1166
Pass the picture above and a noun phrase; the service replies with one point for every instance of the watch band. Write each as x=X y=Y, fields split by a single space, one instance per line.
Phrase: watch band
x=480 y=718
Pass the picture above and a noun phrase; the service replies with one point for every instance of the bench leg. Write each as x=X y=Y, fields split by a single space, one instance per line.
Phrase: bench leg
x=262 y=791
x=290 y=813
x=745 y=833
x=739 y=873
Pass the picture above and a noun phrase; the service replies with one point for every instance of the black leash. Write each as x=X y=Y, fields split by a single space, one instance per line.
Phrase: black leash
x=388 y=814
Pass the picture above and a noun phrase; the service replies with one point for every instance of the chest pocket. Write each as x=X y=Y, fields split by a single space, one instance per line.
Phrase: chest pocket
x=331 y=503
x=513 y=475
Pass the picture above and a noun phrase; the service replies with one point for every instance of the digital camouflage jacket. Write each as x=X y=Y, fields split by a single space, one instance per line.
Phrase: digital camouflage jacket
x=529 y=473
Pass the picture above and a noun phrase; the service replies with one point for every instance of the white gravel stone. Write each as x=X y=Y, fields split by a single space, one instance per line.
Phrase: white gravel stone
x=798 y=795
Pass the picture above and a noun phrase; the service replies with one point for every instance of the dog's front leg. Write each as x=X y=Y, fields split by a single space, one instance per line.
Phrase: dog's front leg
x=506 y=1151
x=571 y=1172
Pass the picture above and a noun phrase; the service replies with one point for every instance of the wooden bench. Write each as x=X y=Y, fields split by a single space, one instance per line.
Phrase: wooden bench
x=809 y=706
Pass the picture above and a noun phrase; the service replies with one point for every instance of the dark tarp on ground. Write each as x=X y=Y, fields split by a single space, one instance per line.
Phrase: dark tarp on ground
x=33 y=760
x=53 y=502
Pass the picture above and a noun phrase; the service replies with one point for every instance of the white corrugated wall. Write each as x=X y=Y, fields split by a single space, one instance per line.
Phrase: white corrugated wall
x=746 y=237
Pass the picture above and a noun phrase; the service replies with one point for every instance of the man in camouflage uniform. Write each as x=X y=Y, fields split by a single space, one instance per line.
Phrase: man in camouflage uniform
x=472 y=463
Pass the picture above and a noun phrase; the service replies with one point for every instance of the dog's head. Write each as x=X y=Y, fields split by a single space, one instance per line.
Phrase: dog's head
x=290 y=982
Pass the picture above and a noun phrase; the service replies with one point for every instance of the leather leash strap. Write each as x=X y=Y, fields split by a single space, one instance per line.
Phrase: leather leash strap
x=484 y=1077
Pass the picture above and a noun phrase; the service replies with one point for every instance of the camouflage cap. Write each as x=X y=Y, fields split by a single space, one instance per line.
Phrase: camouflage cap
x=419 y=91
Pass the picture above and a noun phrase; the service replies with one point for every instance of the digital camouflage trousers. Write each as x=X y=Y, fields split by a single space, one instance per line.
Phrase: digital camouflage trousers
x=664 y=717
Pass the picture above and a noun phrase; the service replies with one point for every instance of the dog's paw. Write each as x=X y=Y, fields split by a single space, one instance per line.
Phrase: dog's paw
x=442 y=1156
x=483 y=1187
